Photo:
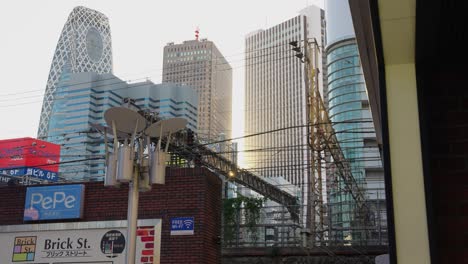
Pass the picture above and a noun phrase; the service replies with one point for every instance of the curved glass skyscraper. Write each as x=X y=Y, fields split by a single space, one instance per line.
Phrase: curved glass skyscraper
x=349 y=111
x=84 y=46
x=347 y=100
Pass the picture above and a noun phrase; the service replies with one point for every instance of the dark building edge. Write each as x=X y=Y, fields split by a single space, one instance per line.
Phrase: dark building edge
x=374 y=12
x=424 y=117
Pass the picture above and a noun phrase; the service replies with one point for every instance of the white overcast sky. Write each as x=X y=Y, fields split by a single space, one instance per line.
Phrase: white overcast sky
x=140 y=29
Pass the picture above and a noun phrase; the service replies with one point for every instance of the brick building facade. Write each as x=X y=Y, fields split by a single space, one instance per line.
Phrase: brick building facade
x=187 y=192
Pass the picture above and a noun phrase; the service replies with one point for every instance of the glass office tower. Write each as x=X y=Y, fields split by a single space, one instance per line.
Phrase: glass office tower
x=200 y=65
x=276 y=102
x=81 y=101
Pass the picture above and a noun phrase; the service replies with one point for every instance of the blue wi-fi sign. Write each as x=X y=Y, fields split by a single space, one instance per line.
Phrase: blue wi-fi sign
x=182 y=226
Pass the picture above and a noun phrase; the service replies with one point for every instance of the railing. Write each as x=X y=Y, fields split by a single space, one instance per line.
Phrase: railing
x=275 y=228
x=263 y=235
x=289 y=235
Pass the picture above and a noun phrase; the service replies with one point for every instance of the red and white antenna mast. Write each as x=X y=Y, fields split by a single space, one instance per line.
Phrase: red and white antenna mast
x=197 y=33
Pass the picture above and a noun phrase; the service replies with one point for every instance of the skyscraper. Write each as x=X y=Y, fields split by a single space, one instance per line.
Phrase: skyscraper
x=84 y=46
x=201 y=65
x=275 y=98
x=81 y=101
x=349 y=110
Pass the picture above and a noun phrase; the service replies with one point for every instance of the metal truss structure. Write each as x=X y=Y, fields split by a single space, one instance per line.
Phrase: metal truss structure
x=325 y=145
x=202 y=155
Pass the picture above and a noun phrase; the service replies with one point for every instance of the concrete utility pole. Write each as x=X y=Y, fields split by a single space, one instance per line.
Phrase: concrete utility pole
x=132 y=216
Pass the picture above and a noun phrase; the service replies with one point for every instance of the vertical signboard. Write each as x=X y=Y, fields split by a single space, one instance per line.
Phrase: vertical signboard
x=54 y=202
x=29 y=156
x=86 y=244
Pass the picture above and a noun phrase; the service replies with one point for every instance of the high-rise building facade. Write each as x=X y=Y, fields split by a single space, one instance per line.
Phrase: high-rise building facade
x=80 y=103
x=201 y=65
x=349 y=111
x=84 y=46
x=276 y=98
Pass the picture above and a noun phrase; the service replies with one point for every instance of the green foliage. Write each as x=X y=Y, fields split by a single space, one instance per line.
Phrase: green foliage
x=232 y=209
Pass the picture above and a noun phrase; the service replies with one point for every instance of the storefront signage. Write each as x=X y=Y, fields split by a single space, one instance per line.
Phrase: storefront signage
x=182 y=226
x=93 y=244
x=54 y=202
x=29 y=157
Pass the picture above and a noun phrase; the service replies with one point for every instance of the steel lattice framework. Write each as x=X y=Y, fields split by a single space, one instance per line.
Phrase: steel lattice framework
x=323 y=141
x=206 y=157
x=72 y=55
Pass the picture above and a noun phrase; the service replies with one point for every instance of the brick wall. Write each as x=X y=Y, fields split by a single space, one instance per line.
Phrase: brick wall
x=187 y=192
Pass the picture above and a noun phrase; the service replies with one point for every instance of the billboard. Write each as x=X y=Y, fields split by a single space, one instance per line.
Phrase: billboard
x=103 y=242
x=29 y=156
x=54 y=202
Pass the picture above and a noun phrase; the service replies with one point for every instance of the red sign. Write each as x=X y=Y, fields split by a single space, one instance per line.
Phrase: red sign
x=22 y=153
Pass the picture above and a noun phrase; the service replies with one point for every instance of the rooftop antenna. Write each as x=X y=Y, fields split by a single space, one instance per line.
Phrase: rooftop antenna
x=157 y=156
x=135 y=159
x=197 y=33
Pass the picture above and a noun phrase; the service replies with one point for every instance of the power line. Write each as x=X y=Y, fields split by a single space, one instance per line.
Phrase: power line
x=143 y=78
x=105 y=85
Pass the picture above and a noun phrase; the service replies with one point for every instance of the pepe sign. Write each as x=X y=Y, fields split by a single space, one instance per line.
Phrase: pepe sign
x=54 y=202
x=113 y=243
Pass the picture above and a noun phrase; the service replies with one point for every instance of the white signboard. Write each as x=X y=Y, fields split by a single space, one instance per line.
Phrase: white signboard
x=73 y=243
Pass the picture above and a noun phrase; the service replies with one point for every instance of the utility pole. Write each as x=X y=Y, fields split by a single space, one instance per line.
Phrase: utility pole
x=311 y=50
x=316 y=135
x=322 y=139
x=314 y=101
